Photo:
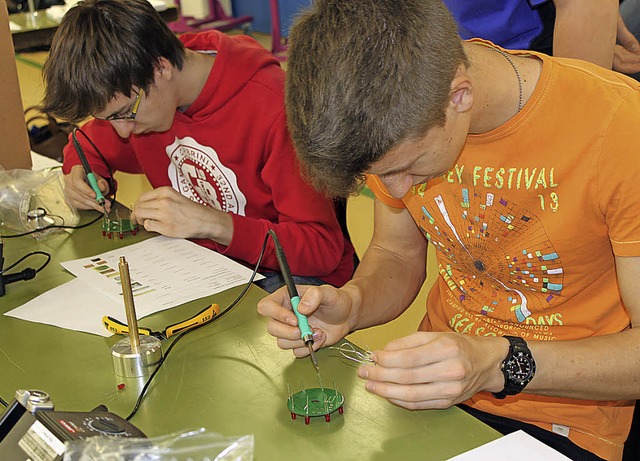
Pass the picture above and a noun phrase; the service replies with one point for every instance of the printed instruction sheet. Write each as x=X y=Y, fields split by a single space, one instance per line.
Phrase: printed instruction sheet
x=164 y=272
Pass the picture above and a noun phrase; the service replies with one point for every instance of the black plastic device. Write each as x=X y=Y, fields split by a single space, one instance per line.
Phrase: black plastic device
x=38 y=433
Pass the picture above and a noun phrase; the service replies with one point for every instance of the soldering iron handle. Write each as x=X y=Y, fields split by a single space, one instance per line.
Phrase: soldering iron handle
x=284 y=270
x=91 y=178
x=305 y=330
x=93 y=182
x=80 y=151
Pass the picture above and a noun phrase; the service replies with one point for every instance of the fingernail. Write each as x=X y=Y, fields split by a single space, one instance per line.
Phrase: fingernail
x=317 y=335
x=370 y=386
x=363 y=373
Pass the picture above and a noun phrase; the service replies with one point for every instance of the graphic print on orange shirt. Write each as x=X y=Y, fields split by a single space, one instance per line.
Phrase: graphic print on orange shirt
x=496 y=254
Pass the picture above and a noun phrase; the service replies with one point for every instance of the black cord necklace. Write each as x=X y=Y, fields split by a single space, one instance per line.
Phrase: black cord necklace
x=506 y=55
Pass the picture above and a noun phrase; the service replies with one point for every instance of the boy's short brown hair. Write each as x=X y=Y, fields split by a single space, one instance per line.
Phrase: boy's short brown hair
x=104 y=47
x=364 y=75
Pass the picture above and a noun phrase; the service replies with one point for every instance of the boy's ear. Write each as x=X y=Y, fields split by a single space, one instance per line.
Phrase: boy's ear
x=163 y=69
x=461 y=96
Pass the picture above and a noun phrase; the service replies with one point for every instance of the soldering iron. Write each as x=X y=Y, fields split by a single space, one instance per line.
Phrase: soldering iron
x=91 y=178
x=305 y=330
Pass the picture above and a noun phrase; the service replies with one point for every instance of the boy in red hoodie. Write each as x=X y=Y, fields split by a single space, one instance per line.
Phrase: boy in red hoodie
x=203 y=118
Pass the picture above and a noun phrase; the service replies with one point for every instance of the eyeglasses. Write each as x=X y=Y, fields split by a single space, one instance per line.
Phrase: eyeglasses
x=131 y=115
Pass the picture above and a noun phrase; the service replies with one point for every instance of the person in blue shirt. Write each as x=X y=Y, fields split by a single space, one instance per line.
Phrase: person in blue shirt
x=592 y=30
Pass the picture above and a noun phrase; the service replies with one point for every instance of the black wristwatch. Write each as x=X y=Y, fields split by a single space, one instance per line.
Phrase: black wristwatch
x=518 y=368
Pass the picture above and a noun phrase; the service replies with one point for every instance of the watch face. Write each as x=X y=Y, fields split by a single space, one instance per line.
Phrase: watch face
x=520 y=368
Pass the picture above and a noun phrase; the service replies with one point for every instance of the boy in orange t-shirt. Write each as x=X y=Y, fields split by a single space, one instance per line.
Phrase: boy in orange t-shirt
x=521 y=171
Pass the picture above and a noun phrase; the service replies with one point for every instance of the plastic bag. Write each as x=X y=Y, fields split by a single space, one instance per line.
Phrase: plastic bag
x=196 y=445
x=34 y=200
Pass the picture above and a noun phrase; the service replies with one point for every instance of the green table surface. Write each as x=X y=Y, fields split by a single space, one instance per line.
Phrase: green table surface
x=228 y=377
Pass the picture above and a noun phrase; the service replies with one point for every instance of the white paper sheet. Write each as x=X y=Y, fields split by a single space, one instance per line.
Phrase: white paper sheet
x=164 y=272
x=40 y=162
x=517 y=445
x=73 y=305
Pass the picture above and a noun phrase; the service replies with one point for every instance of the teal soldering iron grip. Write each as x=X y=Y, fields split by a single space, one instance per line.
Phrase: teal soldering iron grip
x=305 y=330
x=93 y=182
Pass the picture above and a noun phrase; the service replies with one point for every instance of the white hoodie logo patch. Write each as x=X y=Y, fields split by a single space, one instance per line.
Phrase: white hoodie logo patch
x=197 y=173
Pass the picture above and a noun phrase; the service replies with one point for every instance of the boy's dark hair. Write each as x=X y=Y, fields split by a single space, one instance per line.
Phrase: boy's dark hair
x=104 y=47
x=364 y=75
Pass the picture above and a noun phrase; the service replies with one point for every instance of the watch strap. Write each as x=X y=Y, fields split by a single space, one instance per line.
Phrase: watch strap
x=517 y=347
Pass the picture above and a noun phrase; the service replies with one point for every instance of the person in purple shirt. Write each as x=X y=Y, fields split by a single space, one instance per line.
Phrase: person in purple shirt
x=592 y=30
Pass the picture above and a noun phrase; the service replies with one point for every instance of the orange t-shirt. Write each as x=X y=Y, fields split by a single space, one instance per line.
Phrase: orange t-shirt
x=526 y=225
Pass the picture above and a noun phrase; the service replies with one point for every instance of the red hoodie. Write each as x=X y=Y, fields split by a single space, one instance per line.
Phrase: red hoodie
x=231 y=150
